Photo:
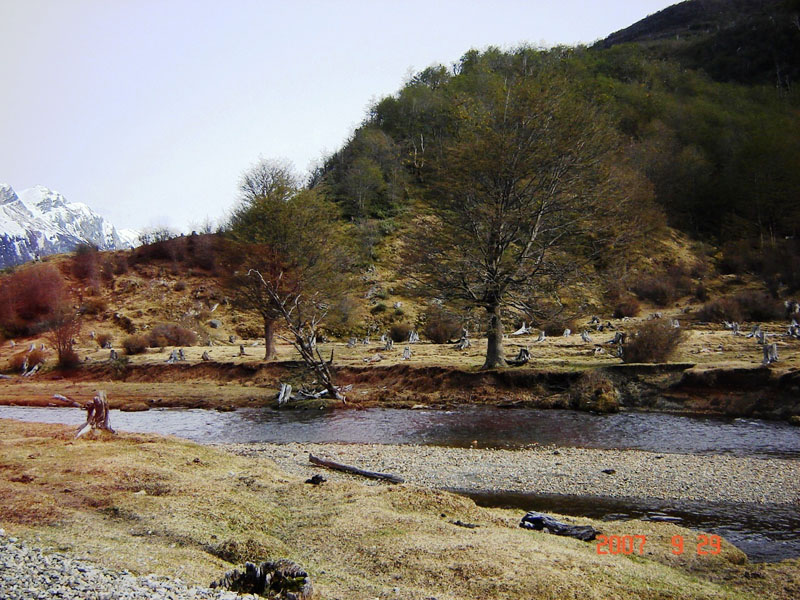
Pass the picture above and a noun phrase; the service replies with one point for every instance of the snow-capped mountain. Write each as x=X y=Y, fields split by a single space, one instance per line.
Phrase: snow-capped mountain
x=39 y=221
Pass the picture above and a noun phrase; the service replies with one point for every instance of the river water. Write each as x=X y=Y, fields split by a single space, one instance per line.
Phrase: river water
x=771 y=534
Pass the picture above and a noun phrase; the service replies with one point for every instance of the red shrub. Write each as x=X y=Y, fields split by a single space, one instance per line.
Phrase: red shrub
x=134 y=344
x=31 y=297
x=171 y=333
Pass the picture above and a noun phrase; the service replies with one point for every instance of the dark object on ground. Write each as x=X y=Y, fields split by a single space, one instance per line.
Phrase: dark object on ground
x=609 y=471
x=280 y=579
x=316 y=480
x=539 y=522
x=467 y=525
x=354 y=470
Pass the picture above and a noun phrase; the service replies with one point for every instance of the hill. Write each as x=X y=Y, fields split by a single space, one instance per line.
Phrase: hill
x=746 y=41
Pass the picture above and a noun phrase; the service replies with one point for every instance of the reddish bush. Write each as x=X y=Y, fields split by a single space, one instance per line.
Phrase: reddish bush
x=94 y=306
x=746 y=306
x=171 y=334
x=554 y=326
x=33 y=358
x=441 y=327
x=655 y=341
x=134 y=344
x=62 y=336
x=658 y=290
x=103 y=339
x=86 y=264
x=179 y=286
x=30 y=298
x=400 y=332
x=626 y=307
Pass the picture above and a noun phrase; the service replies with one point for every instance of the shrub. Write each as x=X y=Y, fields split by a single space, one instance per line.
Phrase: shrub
x=720 y=309
x=758 y=306
x=94 y=306
x=400 y=332
x=655 y=341
x=701 y=293
x=68 y=359
x=30 y=298
x=179 y=286
x=33 y=357
x=103 y=338
x=554 y=326
x=85 y=265
x=171 y=334
x=134 y=344
x=442 y=330
x=380 y=307
x=658 y=290
x=595 y=392
x=62 y=336
x=626 y=307
x=745 y=306
x=120 y=265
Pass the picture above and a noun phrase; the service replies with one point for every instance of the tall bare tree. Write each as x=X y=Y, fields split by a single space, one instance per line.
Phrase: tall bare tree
x=531 y=188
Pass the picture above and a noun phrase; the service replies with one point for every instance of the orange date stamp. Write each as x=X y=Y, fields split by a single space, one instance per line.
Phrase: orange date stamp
x=705 y=545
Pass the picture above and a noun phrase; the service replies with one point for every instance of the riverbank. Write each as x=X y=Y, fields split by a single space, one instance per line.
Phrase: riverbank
x=168 y=507
x=731 y=389
x=547 y=470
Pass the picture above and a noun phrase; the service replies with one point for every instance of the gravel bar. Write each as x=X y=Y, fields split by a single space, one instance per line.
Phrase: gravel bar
x=551 y=470
x=28 y=573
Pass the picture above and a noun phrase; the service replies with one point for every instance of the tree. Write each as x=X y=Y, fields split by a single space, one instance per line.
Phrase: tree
x=290 y=237
x=528 y=191
x=65 y=328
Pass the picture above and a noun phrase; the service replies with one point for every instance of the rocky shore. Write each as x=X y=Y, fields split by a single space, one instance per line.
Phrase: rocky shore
x=550 y=470
x=28 y=573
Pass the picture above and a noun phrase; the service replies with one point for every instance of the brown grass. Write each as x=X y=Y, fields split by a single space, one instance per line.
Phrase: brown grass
x=175 y=508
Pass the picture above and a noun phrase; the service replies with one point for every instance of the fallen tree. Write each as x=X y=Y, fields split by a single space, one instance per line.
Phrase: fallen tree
x=329 y=464
x=97 y=414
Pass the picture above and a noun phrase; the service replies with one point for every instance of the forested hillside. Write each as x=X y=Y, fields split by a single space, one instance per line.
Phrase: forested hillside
x=718 y=145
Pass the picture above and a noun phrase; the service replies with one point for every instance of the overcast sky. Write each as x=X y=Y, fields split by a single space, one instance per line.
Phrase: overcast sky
x=149 y=110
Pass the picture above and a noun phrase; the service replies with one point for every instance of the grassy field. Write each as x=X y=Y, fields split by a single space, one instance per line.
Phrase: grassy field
x=166 y=506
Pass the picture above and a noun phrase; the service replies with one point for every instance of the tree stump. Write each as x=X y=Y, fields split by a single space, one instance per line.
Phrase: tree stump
x=281 y=579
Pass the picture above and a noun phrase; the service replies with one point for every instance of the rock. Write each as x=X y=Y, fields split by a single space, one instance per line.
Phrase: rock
x=215 y=323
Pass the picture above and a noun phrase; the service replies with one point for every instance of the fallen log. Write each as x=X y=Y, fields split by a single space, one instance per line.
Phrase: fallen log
x=353 y=470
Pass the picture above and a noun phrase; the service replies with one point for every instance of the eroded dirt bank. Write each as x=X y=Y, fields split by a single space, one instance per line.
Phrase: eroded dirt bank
x=730 y=389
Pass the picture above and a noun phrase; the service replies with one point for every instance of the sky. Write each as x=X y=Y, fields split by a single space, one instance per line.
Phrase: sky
x=149 y=111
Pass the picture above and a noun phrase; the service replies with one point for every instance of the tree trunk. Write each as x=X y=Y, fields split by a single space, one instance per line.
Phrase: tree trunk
x=269 y=339
x=494 y=347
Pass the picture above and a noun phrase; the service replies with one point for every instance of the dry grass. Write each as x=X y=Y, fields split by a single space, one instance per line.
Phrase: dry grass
x=170 y=507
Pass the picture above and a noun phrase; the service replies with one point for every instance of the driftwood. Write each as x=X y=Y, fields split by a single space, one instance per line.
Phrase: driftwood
x=406 y=353
x=541 y=522
x=463 y=344
x=280 y=579
x=522 y=330
x=586 y=337
x=388 y=345
x=351 y=343
x=567 y=332
x=96 y=413
x=354 y=470
x=413 y=337
x=542 y=336
x=205 y=357
x=770 y=353
x=284 y=394
x=522 y=358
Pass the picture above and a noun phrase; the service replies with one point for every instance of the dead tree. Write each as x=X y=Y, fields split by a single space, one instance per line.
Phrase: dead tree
x=205 y=356
x=285 y=394
x=303 y=317
x=770 y=353
x=522 y=358
x=524 y=330
x=388 y=345
x=586 y=337
x=97 y=413
x=407 y=353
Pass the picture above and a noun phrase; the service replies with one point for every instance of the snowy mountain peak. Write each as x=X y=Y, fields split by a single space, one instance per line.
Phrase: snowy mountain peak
x=39 y=221
x=7 y=194
x=43 y=198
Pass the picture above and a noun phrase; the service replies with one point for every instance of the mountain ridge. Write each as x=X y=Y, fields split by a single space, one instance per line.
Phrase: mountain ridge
x=39 y=221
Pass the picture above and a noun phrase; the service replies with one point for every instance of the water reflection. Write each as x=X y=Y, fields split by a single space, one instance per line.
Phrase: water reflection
x=489 y=427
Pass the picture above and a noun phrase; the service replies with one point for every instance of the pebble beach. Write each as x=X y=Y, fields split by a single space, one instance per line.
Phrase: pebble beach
x=550 y=470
